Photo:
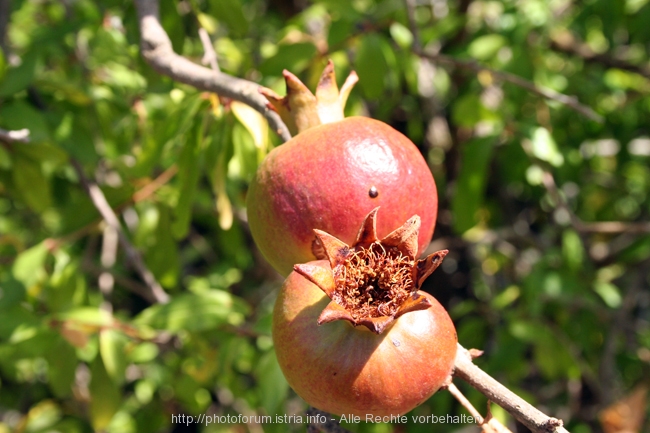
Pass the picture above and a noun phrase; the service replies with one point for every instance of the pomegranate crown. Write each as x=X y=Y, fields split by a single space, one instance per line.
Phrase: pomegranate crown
x=300 y=109
x=372 y=282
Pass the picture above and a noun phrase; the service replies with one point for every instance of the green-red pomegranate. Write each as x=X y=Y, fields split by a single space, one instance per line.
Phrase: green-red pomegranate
x=353 y=335
x=331 y=175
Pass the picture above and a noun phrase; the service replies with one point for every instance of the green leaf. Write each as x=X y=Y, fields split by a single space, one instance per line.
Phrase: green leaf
x=111 y=348
x=371 y=65
x=486 y=47
x=161 y=254
x=72 y=135
x=62 y=364
x=143 y=352
x=15 y=317
x=105 y=397
x=11 y=293
x=3 y=65
x=67 y=286
x=232 y=13
x=28 y=267
x=188 y=176
x=401 y=34
x=273 y=387
x=19 y=115
x=18 y=78
x=217 y=157
x=42 y=416
x=545 y=148
x=244 y=161
x=88 y=316
x=293 y=57
x=195 y=312
x=30 y=183
x=609 y=293
x=468 y=110
x=471 y=183
x=572 y=249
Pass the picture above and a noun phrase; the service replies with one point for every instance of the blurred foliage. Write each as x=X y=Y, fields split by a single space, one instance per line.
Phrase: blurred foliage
x=563 y=313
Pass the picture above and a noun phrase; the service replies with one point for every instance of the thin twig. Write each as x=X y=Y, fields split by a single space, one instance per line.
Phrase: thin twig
x=570 y=101
x=489 y=424
x=142 y=194
x=453 y=390
x=567 y=43
x=516 y=406
x=127 y=283
x=135 y=259
x=158 y=52
x=606 y=227
x=410 y=14
x=155 y=184
x=614 y=227
x=16 y=136
x=209 y=54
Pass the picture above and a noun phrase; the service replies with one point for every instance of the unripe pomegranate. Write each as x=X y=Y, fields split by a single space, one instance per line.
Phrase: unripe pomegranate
x=353 y=335
x=331 y=174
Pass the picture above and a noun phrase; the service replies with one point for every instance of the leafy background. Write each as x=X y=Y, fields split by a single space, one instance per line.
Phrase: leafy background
x=561 y=306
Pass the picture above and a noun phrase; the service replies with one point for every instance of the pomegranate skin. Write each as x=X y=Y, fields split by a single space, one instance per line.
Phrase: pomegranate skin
x=343 y=369
x=329 y=177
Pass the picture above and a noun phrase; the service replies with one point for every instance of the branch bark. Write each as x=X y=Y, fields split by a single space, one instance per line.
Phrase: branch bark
x=571 y=102
x=566 y=43
x=17 y=136
x=158 y=52
x=605 y=227
x=516 y=406
x=156 y=291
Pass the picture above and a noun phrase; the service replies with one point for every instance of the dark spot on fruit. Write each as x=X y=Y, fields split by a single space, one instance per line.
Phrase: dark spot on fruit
x=396 y=343
x=372 y=192
x=334 y=373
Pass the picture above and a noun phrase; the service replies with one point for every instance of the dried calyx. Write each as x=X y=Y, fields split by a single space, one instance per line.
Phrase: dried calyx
x=300 y=109
x=374 y=281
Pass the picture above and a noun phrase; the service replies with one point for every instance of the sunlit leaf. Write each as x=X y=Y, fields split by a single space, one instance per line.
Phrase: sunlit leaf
x=111 y=348
x=105 y=398
x=545 y=148
x=194 y=312
x=188 y=176
x=486 y=47
x=28 y=267
x=609 y=293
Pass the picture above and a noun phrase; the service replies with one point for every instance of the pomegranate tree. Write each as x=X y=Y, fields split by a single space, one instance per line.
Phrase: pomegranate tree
x=354 y=335
x=331 y=174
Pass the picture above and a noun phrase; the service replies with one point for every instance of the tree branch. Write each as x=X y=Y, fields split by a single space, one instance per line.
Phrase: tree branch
x=17 y=136
x=566 y=43
x=158 y=52
x=608 y=227
x=570 y=101
x=135 y=259
x=520 y=409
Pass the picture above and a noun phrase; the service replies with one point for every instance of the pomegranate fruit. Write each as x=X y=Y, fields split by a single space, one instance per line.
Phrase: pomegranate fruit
x=332 y=174
x=353 y=335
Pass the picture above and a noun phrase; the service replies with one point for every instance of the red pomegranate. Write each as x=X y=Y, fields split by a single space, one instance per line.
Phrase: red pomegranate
x=353 y=335
x=331 y=174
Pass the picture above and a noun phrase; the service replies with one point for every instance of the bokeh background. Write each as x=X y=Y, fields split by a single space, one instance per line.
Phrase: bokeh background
x=544 y=209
